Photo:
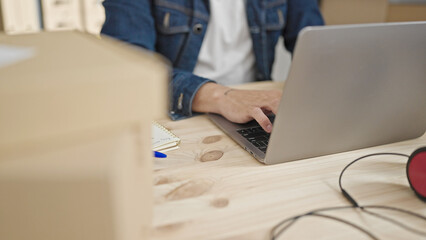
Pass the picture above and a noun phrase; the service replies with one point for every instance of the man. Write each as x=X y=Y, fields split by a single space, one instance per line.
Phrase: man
x=212 y=44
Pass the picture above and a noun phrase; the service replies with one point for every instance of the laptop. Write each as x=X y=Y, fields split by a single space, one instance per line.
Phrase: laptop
x=349 y=87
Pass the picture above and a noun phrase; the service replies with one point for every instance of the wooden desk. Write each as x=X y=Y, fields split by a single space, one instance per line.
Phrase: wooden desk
x=212 y=189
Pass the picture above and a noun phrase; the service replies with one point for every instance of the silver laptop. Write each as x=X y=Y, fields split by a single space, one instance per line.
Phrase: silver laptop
x=349 y=87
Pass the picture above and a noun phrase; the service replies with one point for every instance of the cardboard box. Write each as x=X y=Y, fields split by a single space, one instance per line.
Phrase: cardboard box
x=75 y=137
x=406 y=12
x=354 y=11
x=372 y=11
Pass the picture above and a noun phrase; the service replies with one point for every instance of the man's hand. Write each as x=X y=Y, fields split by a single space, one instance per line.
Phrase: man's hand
x=238 y=106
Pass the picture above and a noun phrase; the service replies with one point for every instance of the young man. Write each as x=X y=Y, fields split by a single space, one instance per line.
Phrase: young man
x=212 y=44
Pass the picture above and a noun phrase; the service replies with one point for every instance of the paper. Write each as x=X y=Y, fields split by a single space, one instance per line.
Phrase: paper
x=163 y=139
x=11 y=55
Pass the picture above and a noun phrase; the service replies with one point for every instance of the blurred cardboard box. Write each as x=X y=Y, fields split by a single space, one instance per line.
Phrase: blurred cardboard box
x=353 y=11
x=75 y=136
x=400 y=12
x=372 y=11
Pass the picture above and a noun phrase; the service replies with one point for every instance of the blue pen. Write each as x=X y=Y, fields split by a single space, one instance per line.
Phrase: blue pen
x=159 y=155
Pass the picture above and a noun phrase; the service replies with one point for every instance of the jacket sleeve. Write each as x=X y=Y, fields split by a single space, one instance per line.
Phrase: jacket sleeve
x=133 y=22
x=301 y=13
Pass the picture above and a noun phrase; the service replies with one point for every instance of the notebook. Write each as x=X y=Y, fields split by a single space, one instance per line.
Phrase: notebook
x=162 y=139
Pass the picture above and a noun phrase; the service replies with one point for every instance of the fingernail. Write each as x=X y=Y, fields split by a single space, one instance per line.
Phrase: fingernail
x=269 y=128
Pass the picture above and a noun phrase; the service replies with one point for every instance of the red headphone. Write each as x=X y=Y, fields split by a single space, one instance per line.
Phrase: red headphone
x=416 y=172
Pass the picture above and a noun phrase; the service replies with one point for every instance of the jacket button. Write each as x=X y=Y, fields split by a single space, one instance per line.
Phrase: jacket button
x=198 y=28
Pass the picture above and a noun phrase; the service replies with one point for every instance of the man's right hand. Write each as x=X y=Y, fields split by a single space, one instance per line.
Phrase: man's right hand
x=238 y=106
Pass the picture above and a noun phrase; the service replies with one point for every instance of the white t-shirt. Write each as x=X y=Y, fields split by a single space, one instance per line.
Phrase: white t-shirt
x=226 y=54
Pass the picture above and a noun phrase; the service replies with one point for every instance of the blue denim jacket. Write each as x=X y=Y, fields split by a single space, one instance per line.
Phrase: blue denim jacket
x=176 y=28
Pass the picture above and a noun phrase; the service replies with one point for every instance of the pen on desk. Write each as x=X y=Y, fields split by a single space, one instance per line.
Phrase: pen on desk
x=159 y=155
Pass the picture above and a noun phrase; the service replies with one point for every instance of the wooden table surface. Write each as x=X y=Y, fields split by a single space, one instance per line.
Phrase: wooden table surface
x=211 y=188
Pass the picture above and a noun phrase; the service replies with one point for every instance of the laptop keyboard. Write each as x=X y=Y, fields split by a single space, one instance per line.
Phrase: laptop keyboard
x=256 y=135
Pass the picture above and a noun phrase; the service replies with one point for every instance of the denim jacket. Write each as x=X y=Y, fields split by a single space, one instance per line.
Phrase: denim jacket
x=176 y=28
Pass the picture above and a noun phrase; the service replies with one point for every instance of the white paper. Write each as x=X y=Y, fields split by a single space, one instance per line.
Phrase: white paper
x=11 y=54
x=162 y=138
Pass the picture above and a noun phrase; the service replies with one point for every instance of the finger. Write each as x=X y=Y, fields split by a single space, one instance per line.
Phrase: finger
x=262 y=119
x=272 y=102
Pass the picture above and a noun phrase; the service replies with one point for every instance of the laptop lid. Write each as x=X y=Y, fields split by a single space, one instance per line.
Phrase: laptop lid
x=349 y=87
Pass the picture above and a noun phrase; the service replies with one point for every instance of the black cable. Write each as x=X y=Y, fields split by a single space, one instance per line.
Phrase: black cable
x=293 y=219
x=348 y=223
x=299 y=216
x=354 y=204
x=398 y=210
x=275 y=235
x=344 y=192
x=395 y=222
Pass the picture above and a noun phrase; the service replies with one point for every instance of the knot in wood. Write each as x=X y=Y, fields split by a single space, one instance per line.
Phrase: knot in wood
x=212 y=139
x=211 y=156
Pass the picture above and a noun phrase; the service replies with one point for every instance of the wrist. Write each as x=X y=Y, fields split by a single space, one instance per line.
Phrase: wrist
x=209 y=98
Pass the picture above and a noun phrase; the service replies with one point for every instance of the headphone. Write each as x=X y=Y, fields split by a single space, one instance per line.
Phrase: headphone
x=416 y=172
